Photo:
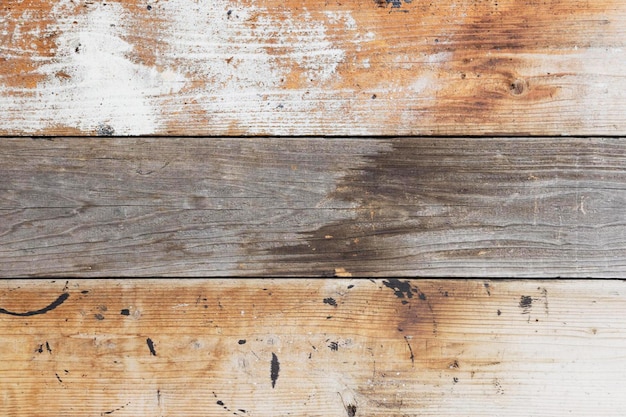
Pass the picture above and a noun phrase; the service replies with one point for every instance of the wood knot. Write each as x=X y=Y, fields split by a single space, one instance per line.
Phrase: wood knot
x=518 y=87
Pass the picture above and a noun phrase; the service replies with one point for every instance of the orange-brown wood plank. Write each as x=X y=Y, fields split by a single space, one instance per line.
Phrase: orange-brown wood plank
x=314 y=207
x=331 y=348
x=309 y=67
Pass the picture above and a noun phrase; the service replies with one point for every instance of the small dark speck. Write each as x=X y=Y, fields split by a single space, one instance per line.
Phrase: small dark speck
x=241 y=410
x=242 y=341
x=351 y=410
x=350 y=286
x=455 y=379
x=219 y=402
x=330 y=301
x=48 y=347
x=151 y=346
x=525 y=301
x=334 y=346
x=99 y=316
x=229 y=12
x=58 y=377
x=125 y=312
x=422 y=296
x=499 y=313
x=40 y=350
x=149 y=7
x=84 y=292
x=404 y=302
x=373 y=96
x=274 y=370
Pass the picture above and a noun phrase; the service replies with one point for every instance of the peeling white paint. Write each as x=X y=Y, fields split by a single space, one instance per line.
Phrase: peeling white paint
x=341 y=17
x=241 y=65
x=242 y=55
x=92 y=83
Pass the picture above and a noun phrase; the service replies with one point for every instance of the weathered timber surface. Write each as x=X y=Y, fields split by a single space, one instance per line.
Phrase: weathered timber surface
x=331 y=348
x=315 y=207
x=309 y=67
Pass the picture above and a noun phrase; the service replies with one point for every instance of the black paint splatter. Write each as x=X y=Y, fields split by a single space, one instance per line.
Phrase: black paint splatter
x=125 y=312
x=225 y=407
x=44 y=310
x=275 y=369
x=330 y=301
x=151 y=346
x=410 y=350
x=351 y=410
x=58 y=377
x=242 y=341
x=48 y=347
x=400 y=288
x=112 y=411
x=99 y=316
x=395 y=4
x=525 y=302
x=334 y=346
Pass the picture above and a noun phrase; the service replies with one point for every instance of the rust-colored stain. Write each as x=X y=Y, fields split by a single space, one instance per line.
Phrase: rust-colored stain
x=390 y=347
x=305 y=67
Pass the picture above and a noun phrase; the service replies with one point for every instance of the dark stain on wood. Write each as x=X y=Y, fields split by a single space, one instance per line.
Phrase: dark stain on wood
x=44 y=310
x=274 y=370
x=150 y=344
x=425 y=206
x=330 y=301
x=525 y=302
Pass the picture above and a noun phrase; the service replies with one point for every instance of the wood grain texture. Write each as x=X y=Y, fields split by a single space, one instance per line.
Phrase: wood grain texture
x=314 y=207
x=307 y=67
x=335 y=348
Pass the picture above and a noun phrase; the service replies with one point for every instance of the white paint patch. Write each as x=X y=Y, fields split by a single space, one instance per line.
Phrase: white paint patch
x=241 y=56
x=341 y=17
x=92 y=84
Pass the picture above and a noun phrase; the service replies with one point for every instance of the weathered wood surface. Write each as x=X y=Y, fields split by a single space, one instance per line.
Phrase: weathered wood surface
x=331 y=348
x=309 y=67
x=321 y=207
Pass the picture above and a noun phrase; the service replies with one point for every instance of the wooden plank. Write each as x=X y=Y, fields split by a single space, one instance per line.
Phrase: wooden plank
x=306 y=67
x=336 y=348
x=192 y=206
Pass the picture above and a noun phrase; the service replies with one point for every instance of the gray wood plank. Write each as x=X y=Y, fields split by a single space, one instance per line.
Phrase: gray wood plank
x=313 y=206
